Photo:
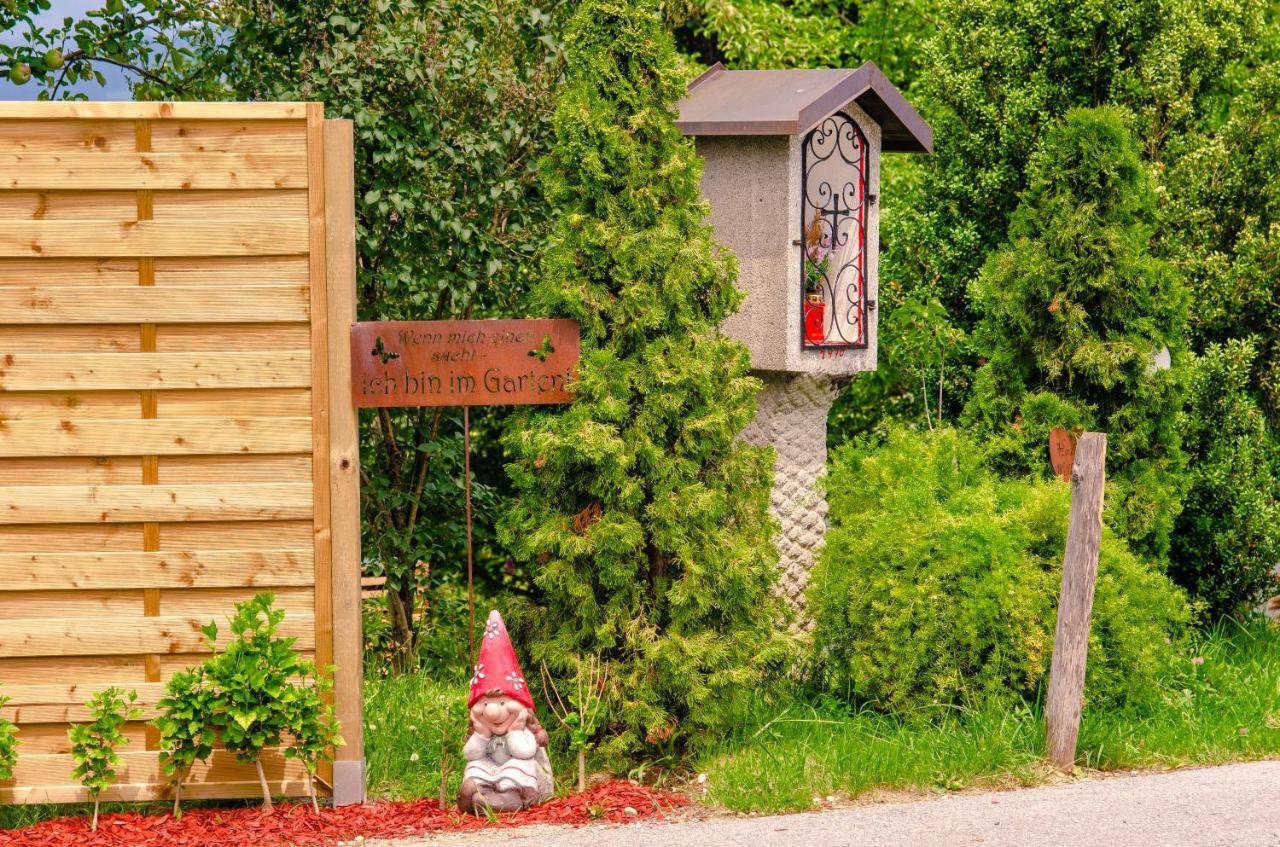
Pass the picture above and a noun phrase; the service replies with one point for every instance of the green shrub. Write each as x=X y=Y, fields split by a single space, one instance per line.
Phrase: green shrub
x=93 y=745
x=263 y=692
x=939 y=581
x=644 y=519
x=1075 y=311
x=1227 y=539
x=1223 y=228
x=185 y=722
x=997 y=74
x=310 y=728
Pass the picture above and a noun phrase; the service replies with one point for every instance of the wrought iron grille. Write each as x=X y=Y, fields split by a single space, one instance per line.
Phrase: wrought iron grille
x=833 y=231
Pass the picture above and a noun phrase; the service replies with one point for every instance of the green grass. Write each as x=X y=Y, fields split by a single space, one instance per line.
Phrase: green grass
x=405 y=716
x=1225 y=709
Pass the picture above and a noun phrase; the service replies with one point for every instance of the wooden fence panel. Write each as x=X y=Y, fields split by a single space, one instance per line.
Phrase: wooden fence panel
x=165 y=390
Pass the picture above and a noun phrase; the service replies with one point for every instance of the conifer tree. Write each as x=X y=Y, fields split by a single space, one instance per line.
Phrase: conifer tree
x=1083 y=328
x=1227 y=540
x=643 y=517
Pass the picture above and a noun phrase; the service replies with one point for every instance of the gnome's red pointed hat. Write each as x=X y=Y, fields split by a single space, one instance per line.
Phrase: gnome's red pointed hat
x=496 y=666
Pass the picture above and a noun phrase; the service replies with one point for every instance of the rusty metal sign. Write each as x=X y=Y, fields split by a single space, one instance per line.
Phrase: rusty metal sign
x=463 y=363
x=1062 y=452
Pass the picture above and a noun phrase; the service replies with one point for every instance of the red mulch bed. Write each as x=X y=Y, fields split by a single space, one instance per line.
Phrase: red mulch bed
x=295 y=825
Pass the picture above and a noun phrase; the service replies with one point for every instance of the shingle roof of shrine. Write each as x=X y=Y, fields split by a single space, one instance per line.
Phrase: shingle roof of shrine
x=724 y=102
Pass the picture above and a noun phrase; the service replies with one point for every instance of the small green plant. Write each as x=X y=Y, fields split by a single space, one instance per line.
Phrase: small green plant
x=262 y=690
x=249 y=678
x=312 y=730
x=8 y=745
x=186 y=728
x=582 y=712
x=93 y=745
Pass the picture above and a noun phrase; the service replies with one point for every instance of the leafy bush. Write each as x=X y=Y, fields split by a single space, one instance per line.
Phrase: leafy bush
x=997 y=74
x=1227 y=539
x=93 y=745
x=185 y=722
x=310 y=728
x=939 y=581
x=644 y=519
x=1075 y=313
x=1224 y=229
x=254 y=693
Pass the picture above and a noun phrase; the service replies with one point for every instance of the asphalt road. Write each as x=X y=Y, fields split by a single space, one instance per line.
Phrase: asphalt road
x=1230 y=805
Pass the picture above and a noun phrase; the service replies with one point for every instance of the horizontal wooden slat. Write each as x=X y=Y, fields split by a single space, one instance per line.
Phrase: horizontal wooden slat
x=77 y=470
x=218 y=603
x=219 y=271
x=169 y=437
x=196 y=337
x=153 y=238
x=94 y=171
x=272 y=136
x=161 y=634
x=61 y=693
x=188 y=470
x=46 y=778
x=71 y=271
x=52 y=737
x=55 y=135
x=154 y=371
x=68 y=205
x=293 y=786
x=60 y=405
x=83 y=338
x=97 y=537
x=237 y=535
x=59 y=713
x=76 y=304
x=193 y=569
x=116 y=670
x=37 y=504
x=43 y=603
x=244 y=402
x=203 y=271
x=225 y=205
x=150 y=110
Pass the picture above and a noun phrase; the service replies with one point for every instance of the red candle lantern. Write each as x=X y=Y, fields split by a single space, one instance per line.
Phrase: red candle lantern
x=815 y=319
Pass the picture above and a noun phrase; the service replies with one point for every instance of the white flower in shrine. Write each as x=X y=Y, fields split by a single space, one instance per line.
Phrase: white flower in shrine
x=478 y=674
x=491 y=628
x=516 y=680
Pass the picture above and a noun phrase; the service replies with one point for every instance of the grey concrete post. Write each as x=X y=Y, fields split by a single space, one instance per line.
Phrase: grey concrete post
x=792 y=419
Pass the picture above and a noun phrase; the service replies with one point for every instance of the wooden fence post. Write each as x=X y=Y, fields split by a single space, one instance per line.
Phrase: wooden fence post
x=344 y=462
x=1075 y=604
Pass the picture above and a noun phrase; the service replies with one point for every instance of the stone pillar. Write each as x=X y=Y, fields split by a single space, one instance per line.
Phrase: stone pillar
x=792 y=419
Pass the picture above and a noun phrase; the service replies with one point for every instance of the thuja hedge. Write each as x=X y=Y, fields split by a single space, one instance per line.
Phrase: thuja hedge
x=1084 y=328
x=938 y=583
x=643 y=518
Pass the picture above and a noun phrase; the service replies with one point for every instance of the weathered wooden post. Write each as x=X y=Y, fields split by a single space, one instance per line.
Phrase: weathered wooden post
x=1075 y=604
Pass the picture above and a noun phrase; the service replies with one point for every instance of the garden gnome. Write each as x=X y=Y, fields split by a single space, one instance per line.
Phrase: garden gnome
x=507 y=765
